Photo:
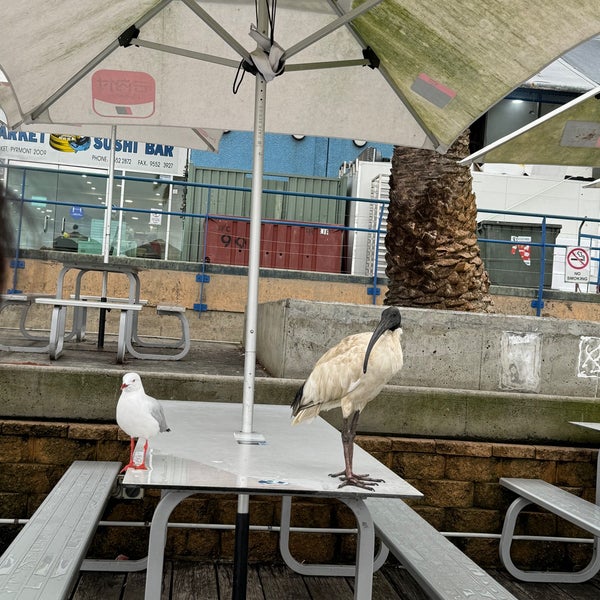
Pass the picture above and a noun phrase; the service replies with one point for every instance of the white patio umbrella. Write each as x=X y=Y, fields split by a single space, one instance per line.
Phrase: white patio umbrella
x=568 y=136
x=404 y=72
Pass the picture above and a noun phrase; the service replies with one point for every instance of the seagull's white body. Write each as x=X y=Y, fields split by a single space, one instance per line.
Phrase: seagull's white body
x=138 y=414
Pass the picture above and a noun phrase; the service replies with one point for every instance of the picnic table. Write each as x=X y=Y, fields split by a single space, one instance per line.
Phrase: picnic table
x=201 y=455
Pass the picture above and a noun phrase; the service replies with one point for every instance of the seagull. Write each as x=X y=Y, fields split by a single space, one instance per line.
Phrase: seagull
x=349 y=376
x=139 y=416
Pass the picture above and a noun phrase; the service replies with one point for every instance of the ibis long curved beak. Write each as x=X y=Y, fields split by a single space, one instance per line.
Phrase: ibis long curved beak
x=390 y=320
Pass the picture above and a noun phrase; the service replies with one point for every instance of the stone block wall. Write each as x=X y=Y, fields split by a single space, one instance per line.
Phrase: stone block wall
x=459 y=480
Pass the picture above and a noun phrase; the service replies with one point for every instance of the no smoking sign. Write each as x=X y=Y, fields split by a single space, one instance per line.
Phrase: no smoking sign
x=577 y=265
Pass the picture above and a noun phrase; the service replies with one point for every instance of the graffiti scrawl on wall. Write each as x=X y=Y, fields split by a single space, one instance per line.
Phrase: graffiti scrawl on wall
x=520 y=360
x=588 y=364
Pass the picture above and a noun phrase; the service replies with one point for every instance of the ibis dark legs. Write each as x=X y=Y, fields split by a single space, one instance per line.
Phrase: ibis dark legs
x=348 y=476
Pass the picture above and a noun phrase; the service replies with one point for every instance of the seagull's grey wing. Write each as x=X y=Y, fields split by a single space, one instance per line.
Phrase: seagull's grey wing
x=157 y=412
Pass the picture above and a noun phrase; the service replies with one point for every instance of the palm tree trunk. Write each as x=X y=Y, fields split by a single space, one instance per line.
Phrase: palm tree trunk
x=433 y=258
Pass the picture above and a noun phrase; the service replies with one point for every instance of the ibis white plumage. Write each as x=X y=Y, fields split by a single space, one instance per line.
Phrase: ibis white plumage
x=139 y=416
x=349 y=376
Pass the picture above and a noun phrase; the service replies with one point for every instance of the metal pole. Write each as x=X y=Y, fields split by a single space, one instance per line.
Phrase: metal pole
x=254 y=255
x=240 y=567
x=109 y=194
x=106 y=238
x=540 y=301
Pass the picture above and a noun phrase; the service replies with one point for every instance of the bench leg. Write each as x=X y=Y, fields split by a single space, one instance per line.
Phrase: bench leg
x=124 y=333
x=57 y=331
x=506 y=540
x=23 y=326
x=24 y=332
x=185 y=341
x=319 y=570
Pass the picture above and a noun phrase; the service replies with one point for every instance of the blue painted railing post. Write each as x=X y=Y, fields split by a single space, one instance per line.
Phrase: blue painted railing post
x=538 y=303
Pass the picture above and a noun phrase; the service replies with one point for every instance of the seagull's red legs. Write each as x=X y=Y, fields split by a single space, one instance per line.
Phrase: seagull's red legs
x=131 y=464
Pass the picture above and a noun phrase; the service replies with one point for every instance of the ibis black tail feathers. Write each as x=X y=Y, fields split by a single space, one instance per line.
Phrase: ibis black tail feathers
x=297 y=400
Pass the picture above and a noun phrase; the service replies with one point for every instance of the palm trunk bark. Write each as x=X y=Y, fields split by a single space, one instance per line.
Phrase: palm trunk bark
x=433 y=257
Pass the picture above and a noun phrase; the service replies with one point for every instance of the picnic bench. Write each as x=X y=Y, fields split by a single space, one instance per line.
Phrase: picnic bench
x=59 y=312
x=43 y=561
x=439 y=567
x=24 y=302
x=560 y=502
x=183 y=342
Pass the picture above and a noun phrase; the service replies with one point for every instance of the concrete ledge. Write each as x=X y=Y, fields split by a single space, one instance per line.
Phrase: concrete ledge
x=442 y=349
x=34 y=392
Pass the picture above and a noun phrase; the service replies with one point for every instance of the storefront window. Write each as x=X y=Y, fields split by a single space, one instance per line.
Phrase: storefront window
x=58 y=209
x=64 y=210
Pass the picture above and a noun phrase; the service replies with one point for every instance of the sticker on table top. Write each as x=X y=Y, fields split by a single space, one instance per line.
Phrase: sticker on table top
x=273 y=482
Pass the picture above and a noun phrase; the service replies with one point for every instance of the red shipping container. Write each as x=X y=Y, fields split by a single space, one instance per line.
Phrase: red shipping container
x=292 y=247
x=227 y=242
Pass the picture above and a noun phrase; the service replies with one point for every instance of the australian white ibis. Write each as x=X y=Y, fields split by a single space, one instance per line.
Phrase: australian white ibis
x=139 y=416
x=349 y=376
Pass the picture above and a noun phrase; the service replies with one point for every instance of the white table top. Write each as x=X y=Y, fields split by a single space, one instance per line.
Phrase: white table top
x=589 y=425
x=201 y=452
x=95 y=265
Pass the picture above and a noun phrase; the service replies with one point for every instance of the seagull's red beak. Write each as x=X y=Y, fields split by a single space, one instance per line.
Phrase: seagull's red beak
x=123 y=386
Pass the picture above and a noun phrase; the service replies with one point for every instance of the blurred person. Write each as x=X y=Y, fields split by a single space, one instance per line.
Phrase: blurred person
x=74 y=233
x=6 y=236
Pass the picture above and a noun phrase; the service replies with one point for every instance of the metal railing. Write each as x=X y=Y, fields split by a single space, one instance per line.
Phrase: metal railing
x=346 y=247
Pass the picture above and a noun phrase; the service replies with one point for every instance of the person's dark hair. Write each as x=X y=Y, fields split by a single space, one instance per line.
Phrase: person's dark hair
x=6 y=236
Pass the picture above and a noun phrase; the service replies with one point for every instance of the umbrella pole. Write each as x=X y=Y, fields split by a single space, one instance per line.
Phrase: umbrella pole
x=109 y=194
x=106 y=239
x=240 y=565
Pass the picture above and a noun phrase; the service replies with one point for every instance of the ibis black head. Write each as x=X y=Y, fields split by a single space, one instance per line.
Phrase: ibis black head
x=390 y=320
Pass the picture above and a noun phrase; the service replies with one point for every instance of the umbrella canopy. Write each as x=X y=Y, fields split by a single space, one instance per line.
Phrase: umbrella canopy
x=417 y=73
x=568 y=136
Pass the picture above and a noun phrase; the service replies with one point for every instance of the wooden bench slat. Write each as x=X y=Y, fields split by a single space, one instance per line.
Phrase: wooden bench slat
x=44 y=559
x=441 y=569
x=560 y=502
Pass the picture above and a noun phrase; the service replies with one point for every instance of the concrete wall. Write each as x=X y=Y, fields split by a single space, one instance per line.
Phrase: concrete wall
x=442 y=349
x=456 y=381
x=175 y=282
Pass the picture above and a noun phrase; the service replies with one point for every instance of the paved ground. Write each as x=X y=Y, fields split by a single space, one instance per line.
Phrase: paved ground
x=211 y=358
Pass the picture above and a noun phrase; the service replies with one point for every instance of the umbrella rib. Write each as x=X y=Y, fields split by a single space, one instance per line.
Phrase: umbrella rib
x=333 y=64
x=525 y=129
x=205 y=139
x=217 y=28
x=187 y=53
x=329 y=28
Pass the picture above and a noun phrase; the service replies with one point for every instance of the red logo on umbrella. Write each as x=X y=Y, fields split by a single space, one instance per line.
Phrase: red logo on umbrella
x=123 y=94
